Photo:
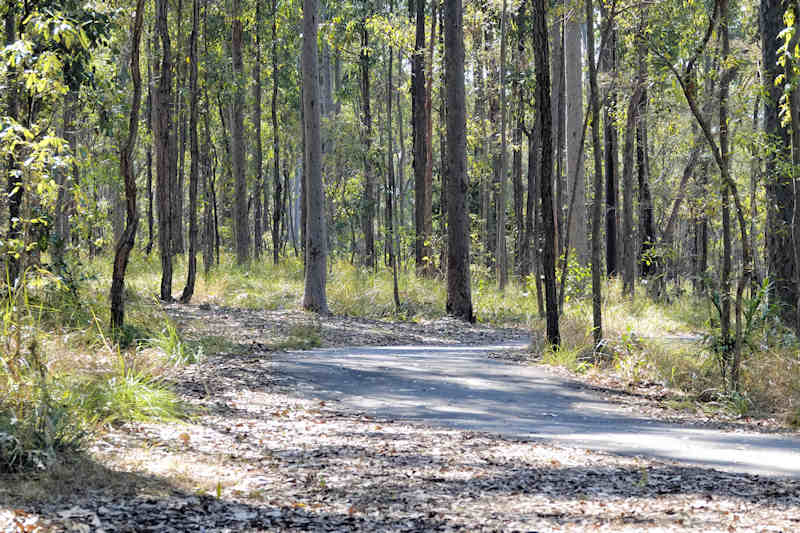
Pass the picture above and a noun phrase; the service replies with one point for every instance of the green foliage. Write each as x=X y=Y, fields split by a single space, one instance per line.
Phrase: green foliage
x=124 y=395
x=174 y=349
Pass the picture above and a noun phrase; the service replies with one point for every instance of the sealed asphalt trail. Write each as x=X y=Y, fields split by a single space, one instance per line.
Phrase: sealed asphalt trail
x=460 y=387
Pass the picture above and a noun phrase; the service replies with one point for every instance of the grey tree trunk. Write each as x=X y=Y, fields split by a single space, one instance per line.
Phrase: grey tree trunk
x=241 y=233
x=278 y=200
x=314 y=298
x=500 y=247
x=597 y=211
x=574 y=116
x=556 y=61
x=258 y=160
x=391 y=232
x=459 y=293
x=628 y=237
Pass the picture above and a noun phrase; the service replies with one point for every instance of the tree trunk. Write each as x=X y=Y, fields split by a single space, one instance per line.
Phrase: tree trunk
x=314 y=298
x=628 y=237
x=422 y=251
x=258 y=160
x=278 y=194
x=481 y=146
x=150 y=120
x=597 y=211
x=430 y=265
x=368 y=203
x=391 y=235
x=794 y=112
x=241 y=233
x=574 y=117
x=66 y=180
x=516 y=142
x=126 y=242
x=500 y=247
x=459 y=295
x=608 y=65
x=557 y=121
x=780 y=259
x=540 y=49
x=194 y=170
x=15 y=186
x=177 y=148
x=162 y=125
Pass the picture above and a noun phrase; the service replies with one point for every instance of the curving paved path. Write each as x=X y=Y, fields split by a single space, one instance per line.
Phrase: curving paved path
x=460 y=387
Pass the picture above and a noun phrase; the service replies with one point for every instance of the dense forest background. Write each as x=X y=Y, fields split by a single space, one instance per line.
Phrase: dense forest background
x=550 y=148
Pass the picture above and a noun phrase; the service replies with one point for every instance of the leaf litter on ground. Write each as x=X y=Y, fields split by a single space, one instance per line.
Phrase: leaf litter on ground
x=256 y=457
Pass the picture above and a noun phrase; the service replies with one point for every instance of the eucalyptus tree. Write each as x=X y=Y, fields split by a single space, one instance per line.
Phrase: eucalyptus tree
x=162 y=131
x=422 y=187
x=459 y=295
x=778 y=184
x=125 y=244
x=543 y=101
x=240 y=225
x=194 y=170
x=314 y=298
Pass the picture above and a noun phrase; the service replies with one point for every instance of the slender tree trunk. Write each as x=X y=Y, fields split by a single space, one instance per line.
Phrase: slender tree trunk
x=459 y=295
x=368 y=205
x=597 y=211
x=150 y=120
x=391 y=235
x=500 y=247
x=780 y=260
x=15 y=186
x=557 y=121
x=540 y=49
x=194 y=170
x=516 y=142
x=422 y=251
x=241 y=233
x=278 y=194
x=794 y=108
x=574 y=117
x=481 y=147
x=430 y=265
x=314 y=298
x=608 y=65
x=628 y=237
x=177 y=148
x=162 y=125
x=66 y=180
x=126 y=242
x=258 y=160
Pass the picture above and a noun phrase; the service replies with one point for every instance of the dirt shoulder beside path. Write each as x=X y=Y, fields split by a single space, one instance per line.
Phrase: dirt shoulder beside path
x=258 y=458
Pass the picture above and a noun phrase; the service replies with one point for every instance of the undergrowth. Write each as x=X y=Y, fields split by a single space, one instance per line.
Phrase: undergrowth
x=63 y=376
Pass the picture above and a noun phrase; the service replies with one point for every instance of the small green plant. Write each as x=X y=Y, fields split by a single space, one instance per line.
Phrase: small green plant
x=35 y=424
x=303 y=336
x=571 y=359
x=175 y=350
x=127 y=394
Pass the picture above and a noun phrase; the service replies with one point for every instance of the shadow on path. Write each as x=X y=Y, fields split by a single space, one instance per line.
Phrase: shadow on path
x=459 y=387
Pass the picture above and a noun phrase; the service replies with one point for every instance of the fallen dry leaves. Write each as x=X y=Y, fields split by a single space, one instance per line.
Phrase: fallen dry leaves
x=258 y=458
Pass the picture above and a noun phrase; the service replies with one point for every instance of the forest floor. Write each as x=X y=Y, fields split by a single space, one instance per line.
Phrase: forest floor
x=255 y=456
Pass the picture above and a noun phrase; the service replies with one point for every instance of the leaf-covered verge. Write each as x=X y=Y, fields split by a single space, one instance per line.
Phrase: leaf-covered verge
x=261 y=459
